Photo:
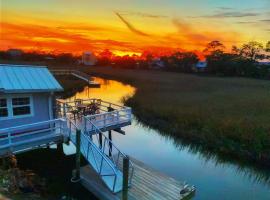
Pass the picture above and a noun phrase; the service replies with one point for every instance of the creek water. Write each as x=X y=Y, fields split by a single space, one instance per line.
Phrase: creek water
x=213 y=178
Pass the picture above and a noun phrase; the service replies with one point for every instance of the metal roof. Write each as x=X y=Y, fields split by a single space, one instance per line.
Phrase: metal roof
x=27 y=78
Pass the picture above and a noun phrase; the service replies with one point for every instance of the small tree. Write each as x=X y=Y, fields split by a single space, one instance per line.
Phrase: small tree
x=252 y=50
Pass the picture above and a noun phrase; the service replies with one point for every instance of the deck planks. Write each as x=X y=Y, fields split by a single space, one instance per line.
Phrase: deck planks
x=147 y=184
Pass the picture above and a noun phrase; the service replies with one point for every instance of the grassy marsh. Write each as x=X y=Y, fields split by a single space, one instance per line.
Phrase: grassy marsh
x=226 y=115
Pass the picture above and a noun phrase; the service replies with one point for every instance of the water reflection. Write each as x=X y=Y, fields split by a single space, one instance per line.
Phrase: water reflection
x=216 y=177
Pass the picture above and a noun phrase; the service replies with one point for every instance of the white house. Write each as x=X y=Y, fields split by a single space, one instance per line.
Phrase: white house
x=26 y=94
x=88 y=58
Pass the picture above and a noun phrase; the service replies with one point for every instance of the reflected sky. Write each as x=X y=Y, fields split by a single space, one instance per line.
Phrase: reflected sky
x=213 y=179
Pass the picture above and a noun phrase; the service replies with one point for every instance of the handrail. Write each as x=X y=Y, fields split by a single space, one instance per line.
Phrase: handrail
x=109 y=142
x=24 y=134
x=31 y=125
x=91 y=99
x=97 y=150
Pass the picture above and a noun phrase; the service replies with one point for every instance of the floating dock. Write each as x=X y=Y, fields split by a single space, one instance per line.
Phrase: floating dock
x=147 y=184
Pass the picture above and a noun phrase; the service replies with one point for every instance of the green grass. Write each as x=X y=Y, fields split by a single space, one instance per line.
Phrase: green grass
x=227 y=115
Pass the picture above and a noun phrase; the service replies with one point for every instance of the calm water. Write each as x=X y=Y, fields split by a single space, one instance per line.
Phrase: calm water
x=213 y=179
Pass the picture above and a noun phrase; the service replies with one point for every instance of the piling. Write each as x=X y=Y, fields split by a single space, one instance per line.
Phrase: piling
x=125 y=178
x=76 y=175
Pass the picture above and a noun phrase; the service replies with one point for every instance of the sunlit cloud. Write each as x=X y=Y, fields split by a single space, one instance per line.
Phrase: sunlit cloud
x=160 y=27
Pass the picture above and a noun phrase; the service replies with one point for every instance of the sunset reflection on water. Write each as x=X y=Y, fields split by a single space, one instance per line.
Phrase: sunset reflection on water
x=109 y=90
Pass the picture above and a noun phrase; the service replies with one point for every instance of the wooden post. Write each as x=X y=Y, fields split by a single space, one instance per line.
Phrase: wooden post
x=110 y=143
x=60 y=149
x=125 y=177
x=76 y=176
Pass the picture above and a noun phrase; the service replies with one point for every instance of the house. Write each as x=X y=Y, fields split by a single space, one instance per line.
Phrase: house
x=15 y=53
x=26 y=94
x=88 y=58
x=200 y=66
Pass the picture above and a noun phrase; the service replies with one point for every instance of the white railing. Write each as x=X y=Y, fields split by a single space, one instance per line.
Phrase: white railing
x=64 y=107
x=107 y=147
x=91 y=152
x=25 y=134
x=107 y=119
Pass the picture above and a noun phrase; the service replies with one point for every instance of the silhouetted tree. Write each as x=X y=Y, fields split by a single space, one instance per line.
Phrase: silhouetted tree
x=214 y=46
x=252 y=50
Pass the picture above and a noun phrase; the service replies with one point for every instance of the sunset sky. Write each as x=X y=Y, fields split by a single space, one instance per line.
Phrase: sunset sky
x=131 y=26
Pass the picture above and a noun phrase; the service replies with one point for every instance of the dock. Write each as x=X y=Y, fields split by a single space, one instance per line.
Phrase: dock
x=76 y=73
x=109 y=173
x=147 y=184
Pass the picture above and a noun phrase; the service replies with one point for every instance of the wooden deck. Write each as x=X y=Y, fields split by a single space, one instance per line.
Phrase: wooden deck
x=147 y=184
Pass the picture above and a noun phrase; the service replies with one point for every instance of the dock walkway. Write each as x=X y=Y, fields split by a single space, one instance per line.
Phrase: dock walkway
x=76 y=73
x=147 y=184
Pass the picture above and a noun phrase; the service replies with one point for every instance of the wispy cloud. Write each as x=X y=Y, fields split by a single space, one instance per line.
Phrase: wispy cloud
x=142 y=14
x=224 y=8
x=130 y=26
x=189 y=34
x=265 y=21
x=246 y=22
x=232 y=14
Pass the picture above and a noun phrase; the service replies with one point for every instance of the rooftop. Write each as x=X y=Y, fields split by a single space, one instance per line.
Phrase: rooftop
x=27 y=78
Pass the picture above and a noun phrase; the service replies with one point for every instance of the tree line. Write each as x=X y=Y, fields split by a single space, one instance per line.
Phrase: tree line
x=239 y=61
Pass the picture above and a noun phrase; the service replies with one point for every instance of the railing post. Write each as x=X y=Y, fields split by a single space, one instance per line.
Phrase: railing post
x=125 y=177
x=100 y=140
x=110 y=142
x=76 y=176
x=117 y=116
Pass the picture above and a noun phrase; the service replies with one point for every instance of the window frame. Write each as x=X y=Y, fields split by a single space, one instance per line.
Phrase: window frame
x=4 y=107
x=10 y=106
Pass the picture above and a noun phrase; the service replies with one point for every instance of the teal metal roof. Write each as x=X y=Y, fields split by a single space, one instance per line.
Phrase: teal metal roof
x=27 y=78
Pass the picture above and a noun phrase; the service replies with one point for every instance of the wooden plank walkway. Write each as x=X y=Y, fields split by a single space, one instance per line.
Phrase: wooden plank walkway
x=147 y=184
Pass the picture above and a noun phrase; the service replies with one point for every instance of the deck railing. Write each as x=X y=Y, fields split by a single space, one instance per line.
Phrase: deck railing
x=30 y=133
x=89 y=149
x=106 y=113
x=107 y=119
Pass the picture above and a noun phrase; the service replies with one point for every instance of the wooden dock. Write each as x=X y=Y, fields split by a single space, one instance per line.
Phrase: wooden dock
x=147 y=184
x=76 y=73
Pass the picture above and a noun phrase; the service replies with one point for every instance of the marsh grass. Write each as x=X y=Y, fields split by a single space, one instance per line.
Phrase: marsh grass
x=227 y=115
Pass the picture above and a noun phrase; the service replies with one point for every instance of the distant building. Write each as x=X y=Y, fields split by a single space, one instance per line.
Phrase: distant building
x=265 y=63
x=157 y=63
x=15 y=52
x=88 y=58
x=26 y=94
x=200 y=66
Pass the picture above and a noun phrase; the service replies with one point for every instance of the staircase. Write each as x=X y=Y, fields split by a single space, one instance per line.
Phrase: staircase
x=101 y=153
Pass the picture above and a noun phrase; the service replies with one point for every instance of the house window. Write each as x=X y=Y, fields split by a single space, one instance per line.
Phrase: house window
x=12 y=106
x=3 y=108
x=21 y=106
